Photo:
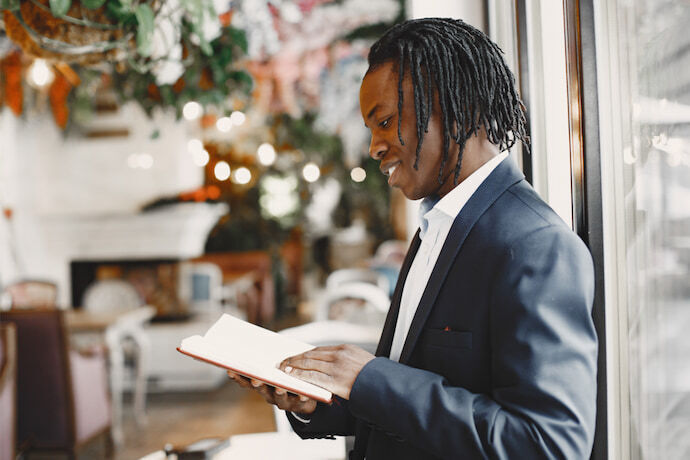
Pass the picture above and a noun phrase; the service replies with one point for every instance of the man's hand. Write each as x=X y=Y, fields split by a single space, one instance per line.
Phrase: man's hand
x=276 y=396
x=333 y=368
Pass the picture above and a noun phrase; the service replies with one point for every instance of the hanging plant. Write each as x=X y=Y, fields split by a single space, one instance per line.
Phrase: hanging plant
x=207 y=79
x=157 y=53
x=85 y=32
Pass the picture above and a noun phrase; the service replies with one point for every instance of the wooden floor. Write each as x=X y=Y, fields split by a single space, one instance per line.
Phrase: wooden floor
x=182 y=418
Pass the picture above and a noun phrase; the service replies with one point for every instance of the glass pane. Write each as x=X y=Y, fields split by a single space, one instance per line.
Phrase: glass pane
x=655 y=172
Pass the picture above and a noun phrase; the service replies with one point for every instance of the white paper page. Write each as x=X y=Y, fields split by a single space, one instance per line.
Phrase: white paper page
x=241 y=345
x=255 y=344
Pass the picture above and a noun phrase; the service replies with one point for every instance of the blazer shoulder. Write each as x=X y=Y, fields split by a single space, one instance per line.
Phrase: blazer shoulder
x=533 y=204
x=519 y=213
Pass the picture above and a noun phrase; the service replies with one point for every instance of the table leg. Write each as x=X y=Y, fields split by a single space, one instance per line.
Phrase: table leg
x=142 y=373
x=116 y=358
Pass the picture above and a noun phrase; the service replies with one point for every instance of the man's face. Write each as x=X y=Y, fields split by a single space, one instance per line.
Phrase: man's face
x=378 y=101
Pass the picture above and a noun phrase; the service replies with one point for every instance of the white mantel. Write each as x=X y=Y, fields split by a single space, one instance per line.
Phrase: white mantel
x=172 y=232
x=175 y=231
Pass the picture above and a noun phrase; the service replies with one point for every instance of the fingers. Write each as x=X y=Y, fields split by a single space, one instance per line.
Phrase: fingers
x=318 y=361
x=240 y=380
x=294 y=403
x=277 y=396
x=283 y=394
x=253 y=384
x=326 y=354
x=265 y=391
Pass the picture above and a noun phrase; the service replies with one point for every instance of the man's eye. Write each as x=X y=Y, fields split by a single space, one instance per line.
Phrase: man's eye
x=385 y=123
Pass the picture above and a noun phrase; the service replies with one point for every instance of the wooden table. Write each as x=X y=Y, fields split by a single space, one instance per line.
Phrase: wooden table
x=112 y=328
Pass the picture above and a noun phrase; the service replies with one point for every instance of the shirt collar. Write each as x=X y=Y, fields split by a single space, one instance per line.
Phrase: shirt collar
x=425 y=208
x=455 y=200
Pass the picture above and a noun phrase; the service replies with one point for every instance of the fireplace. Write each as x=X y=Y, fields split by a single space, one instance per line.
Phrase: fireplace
x=156 y=282
x=76 y=246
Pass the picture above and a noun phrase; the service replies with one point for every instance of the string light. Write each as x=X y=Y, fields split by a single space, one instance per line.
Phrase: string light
x=201 y=157
x=224 y=124
x=242 y=175
x=279 y=197
x=358 y=174
x=237 y=118
x=192 y=110
x=311 y=172
x=222 y=170
x=40 y=75
x=266 y=154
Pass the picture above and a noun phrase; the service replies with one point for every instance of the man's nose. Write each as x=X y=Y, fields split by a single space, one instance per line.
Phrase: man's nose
x=377 y=148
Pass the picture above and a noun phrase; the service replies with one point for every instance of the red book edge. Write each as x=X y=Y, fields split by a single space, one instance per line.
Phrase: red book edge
x=248 y=375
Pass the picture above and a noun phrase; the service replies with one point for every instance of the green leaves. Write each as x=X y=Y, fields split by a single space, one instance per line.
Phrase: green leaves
x=137 y=79
x=144 y=15
x=9 y=5
x=195 y=12
x=59 y=8
x=92 y=4
x=239 y=38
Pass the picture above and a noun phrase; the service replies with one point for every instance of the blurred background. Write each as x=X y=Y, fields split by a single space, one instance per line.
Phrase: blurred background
x=165 y=162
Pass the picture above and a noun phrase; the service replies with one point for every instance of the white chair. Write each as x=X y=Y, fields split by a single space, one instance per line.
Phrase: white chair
x=129 y=338
x=354 y=302
x=351 y=275
x=30 y=294
x=391 y=252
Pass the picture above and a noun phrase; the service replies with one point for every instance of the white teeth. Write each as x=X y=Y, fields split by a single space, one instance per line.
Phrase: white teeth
x=391 y=169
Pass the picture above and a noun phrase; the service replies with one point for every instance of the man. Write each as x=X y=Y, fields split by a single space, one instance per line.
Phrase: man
x=489 y=350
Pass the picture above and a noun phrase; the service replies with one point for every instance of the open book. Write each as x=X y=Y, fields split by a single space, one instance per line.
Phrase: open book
x=253 y=352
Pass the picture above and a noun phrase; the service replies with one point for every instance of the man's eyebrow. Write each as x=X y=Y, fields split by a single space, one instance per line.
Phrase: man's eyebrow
x=371 y=112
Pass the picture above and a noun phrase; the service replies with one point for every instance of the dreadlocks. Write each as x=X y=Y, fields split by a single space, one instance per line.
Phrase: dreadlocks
x=474 y=85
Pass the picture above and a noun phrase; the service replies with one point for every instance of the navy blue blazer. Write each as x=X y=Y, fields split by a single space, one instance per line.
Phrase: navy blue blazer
x=500 y=360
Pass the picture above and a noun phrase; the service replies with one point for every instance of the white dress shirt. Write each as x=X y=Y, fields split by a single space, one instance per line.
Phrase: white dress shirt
x=436 y=219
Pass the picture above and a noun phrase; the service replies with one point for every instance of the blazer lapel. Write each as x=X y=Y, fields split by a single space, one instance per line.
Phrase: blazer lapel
x=505 y=175
x=386 y=340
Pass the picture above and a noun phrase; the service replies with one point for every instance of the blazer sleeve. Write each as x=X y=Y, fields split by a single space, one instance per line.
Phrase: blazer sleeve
x=542 y=401
x=326 y=421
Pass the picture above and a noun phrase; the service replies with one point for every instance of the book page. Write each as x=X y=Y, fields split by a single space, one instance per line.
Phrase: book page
x=252 y=351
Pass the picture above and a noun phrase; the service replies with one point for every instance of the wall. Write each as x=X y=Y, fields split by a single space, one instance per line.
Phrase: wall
x=47 y=178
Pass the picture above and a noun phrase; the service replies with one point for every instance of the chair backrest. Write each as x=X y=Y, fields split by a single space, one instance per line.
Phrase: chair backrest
x=111 y=295
x=356 y=302
x=350 y=275
x=8 y=391
x=32 y=294
x=391 y=252
x=44 y=400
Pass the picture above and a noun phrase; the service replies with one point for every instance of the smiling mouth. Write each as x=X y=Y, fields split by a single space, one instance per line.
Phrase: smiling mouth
x=389 y=168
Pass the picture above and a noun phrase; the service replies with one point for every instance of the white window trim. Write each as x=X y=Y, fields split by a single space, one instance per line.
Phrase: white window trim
x=614 y=138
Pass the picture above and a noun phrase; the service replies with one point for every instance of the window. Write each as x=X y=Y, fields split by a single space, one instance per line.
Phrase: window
x=643 y=65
